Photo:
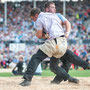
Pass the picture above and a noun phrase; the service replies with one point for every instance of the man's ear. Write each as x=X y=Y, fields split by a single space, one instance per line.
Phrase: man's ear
x=46 y=10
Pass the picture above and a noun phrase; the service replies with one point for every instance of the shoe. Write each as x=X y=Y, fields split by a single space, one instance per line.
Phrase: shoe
x=25 y=83
x=57 y=79
x=55 y=82
x=73 y=80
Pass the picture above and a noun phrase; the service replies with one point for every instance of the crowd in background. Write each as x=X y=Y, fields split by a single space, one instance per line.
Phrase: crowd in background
x=21 y=28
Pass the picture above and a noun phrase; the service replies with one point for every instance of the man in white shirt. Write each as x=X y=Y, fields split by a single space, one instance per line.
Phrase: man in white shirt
x=55 y=46
x=69 y=57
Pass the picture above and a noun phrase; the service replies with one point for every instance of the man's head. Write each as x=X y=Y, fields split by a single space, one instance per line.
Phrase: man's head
x=50 y=7
x=21 y=58
x=34 y=13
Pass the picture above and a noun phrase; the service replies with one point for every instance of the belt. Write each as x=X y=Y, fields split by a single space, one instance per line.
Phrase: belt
x=56 y=39
x=62 y=36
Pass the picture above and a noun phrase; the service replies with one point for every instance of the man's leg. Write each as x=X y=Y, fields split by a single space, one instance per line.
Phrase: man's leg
x=66 y=65
x=72 y=58
x=32 y=66
x=59 y=71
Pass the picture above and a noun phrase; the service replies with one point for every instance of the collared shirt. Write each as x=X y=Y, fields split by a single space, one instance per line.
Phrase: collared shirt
x=50 y=23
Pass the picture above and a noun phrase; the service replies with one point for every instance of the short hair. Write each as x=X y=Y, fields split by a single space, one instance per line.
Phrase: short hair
x=21 y=56
x=47 y=4
x=34 y=11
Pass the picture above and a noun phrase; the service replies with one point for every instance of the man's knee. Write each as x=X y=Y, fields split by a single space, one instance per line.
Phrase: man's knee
x=53 y=69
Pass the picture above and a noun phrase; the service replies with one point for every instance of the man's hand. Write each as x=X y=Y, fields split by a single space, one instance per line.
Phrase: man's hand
x=45 y=36
x=66 y=34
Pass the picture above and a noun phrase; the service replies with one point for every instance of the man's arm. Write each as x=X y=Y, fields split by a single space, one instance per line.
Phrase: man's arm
x=68 y=28
x=66 y=23
x=39 y=27
x=40 y=34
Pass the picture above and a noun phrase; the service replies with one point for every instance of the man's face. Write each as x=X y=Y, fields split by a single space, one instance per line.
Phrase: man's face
x=34 y=18
x=51 y=8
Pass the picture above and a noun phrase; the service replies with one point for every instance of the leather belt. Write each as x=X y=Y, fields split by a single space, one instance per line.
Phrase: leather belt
x=62 y=36
x=56 y=39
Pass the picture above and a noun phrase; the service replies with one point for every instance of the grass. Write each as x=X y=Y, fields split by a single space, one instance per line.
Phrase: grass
x=6 y=74
x=75 y=73
x=80 y=73
x=45 y=73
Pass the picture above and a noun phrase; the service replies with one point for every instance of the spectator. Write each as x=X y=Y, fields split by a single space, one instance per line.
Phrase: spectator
x=18 y=69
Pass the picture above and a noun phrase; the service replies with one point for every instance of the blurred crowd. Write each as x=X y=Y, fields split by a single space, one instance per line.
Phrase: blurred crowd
x=21 y=28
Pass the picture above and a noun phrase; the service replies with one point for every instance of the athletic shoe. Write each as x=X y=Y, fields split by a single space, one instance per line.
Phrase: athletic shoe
x=56 y=81
x=73 y=80
x=25 y=83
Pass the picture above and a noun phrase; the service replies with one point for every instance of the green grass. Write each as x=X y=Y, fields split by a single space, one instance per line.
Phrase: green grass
x=45 y=73
x=80 y=73
x=75 y=73
x=6 y=74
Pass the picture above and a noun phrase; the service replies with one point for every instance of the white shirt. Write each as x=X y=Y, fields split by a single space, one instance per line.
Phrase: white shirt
x=50 y=23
